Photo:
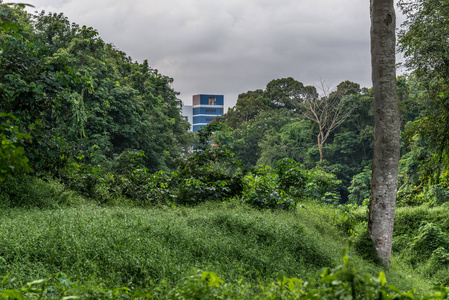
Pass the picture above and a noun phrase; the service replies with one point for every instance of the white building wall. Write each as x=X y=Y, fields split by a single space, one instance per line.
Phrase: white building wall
x=187 y=113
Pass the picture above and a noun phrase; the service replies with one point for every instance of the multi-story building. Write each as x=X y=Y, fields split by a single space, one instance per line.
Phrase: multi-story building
x=204 y=110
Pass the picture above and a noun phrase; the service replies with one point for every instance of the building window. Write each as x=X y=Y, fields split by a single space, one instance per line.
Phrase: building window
x=209 y=119
x=210 y=110
x=212 y=101
x=221 y=110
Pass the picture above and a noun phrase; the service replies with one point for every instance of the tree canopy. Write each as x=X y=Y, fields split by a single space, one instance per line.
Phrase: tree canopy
x=87 y=96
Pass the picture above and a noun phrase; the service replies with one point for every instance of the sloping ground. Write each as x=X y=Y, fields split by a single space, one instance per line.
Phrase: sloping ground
x=133 y=246
x=137 y=247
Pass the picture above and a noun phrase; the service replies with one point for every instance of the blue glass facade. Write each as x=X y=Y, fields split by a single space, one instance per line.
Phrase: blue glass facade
x=205 y=109
x=208 y=111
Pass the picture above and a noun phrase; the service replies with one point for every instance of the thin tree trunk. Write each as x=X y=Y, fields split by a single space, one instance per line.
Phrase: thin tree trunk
x=320 y=147
x=386 y=129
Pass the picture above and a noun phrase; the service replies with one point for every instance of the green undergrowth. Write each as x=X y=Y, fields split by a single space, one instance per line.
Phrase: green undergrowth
x=421 y=239
x=33 y=192
x=142 y=248
x=345 y=281
x=135 y=246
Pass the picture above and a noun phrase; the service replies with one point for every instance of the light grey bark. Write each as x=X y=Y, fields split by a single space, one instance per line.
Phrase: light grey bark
x=328 y=112
x=386 y=129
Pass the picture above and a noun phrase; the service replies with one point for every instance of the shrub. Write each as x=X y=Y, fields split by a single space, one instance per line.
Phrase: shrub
x=210 y=173
x=291 y=176
x=124 y=179
x=322 y=186
x=430 y=237
x=409 y=196
x=350 y=216
x=433 y=195
x=261 y=190
x=12 y=154
x=360 y=188
x=437 y=262
x=28 y=191
x=92 y=181
x=437 y=194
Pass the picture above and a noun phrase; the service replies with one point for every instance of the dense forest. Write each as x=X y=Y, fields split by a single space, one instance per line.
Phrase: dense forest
x=103 y=186
x=268 y=125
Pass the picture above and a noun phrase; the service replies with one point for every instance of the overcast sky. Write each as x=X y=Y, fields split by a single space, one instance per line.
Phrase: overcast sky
x=232 y=46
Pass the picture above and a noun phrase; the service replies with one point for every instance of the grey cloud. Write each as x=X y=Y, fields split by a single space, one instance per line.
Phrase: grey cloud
x=232 y=46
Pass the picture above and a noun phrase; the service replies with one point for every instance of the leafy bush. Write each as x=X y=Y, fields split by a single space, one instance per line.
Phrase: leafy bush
x=292 y=177
x=409 y=196
x=28 y=191
x=349 y=217
x=430 y=237
x=210 y=173
x=124 y=179
x=137 y=184
x=288 y=184
x=12 y=154
x=360 y=188
x=322 y=186
x=438 y=263
x=261 y=190
x=437 y=194
x=433 y=195
x=158 y=190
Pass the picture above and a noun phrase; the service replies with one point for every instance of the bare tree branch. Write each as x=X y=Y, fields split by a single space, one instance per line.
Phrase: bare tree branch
x=328 y=111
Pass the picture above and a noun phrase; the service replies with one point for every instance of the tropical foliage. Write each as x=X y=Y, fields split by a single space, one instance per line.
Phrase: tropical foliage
x=103 y=185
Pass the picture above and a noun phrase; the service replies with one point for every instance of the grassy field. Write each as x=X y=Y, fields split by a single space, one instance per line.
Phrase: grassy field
x=133 y=246
x=138 y=247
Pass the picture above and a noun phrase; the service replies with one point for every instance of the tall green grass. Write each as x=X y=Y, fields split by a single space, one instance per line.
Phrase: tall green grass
x=137 y=247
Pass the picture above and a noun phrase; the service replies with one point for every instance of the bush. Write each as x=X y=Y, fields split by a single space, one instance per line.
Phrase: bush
x=360 y=188
x=437 y=194
x=93 y=181
x=430 y=237
x=351 y=217
x=288 y=184
x=433 y=195
x=438 y=262
x=27 y=191
x=210 y=173
x=123 y=179
x=409 y=196
x=261 y=190
x=322 y=186
x=12 y=154
x=291 y=176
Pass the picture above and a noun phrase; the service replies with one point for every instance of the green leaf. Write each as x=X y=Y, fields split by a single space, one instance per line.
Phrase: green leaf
x=394 y=288
x=382 y=278
x=346 y=260
x=11 y=294
x=7 y=26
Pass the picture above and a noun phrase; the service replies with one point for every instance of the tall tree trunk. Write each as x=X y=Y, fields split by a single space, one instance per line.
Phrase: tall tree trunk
x=386 y=129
